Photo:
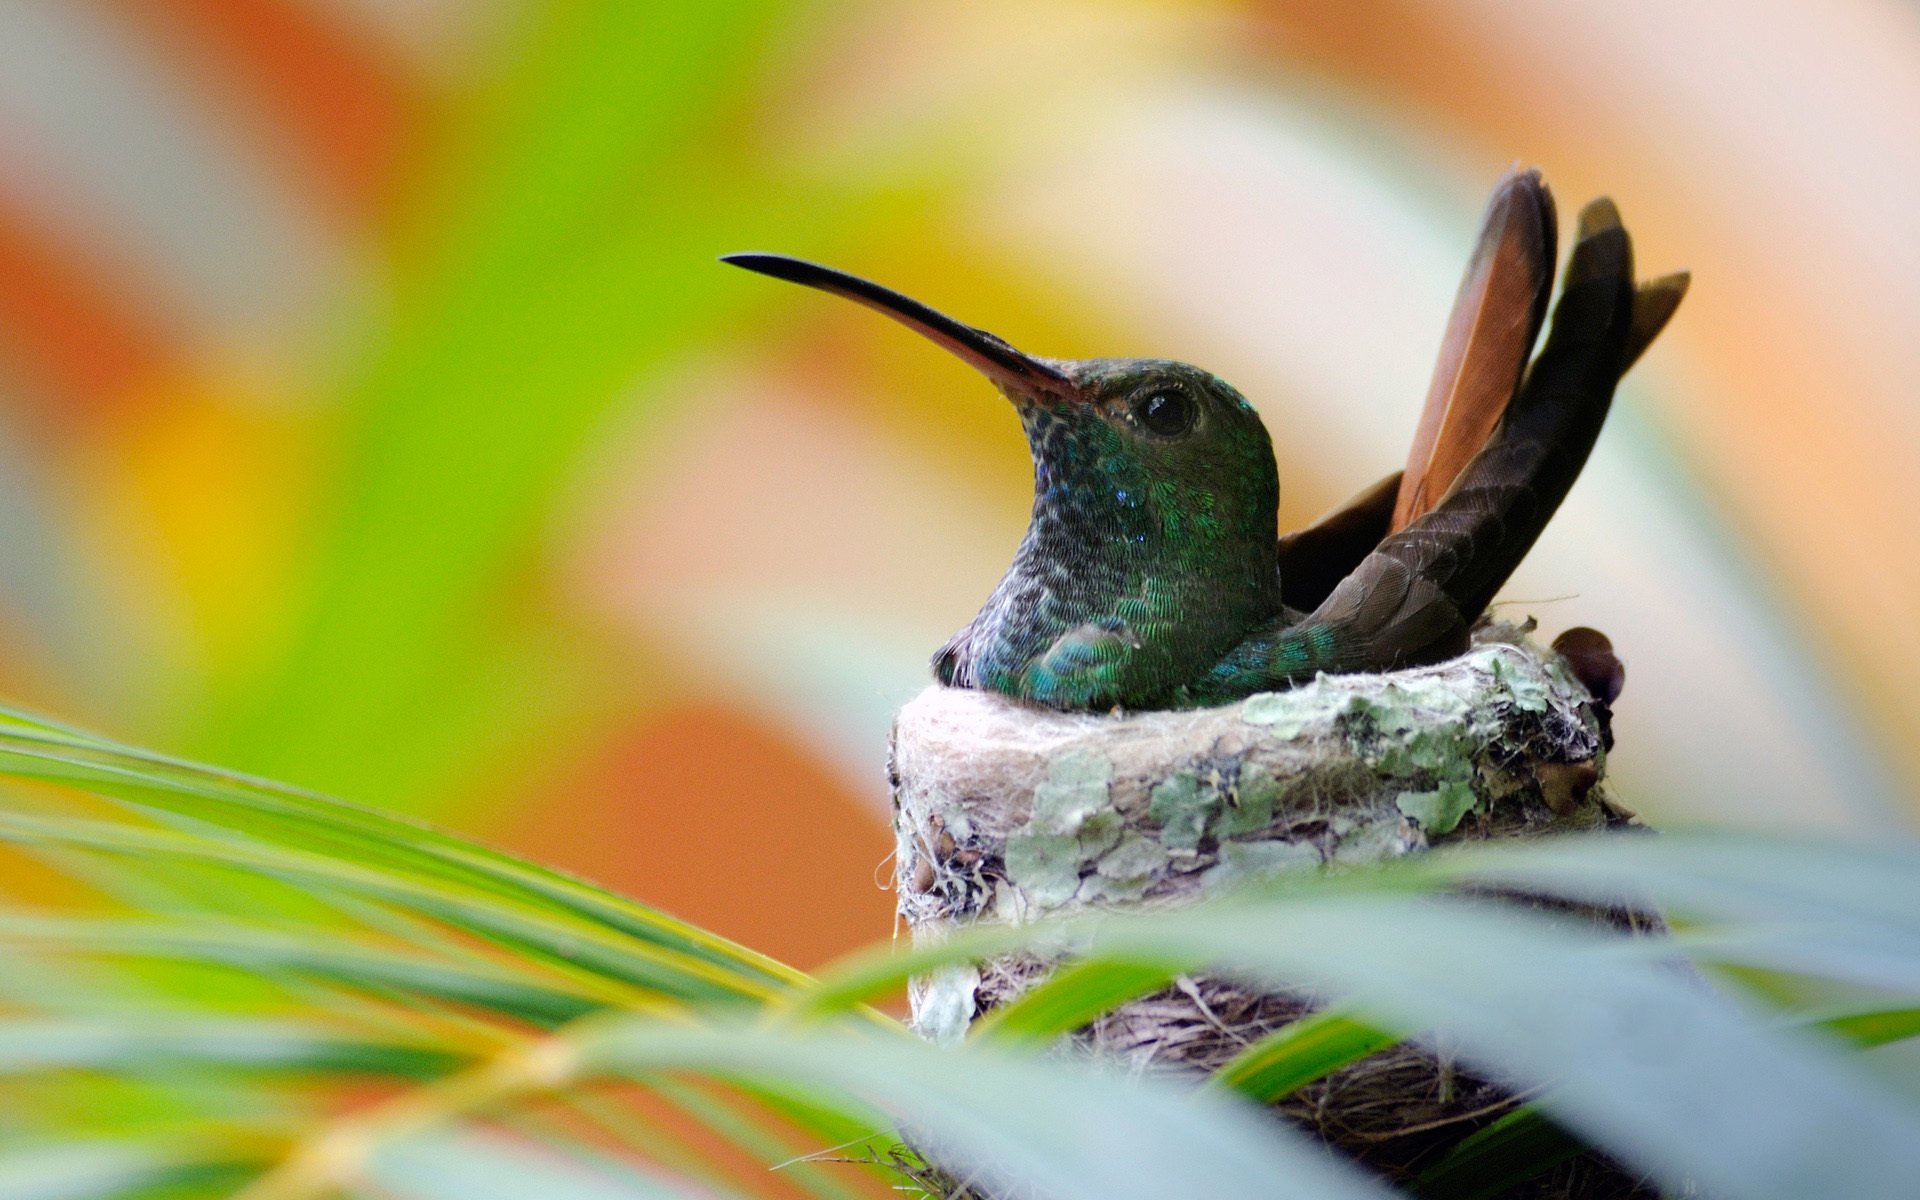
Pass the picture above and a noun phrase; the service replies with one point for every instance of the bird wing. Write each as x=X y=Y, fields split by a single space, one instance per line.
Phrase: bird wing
x=1315 y=559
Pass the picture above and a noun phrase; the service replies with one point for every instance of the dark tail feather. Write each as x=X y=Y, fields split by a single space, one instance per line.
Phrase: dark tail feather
x=1653 y=304
x=1414 y=598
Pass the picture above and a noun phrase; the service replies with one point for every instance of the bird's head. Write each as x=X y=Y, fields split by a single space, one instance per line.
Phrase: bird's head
x=1158 y=456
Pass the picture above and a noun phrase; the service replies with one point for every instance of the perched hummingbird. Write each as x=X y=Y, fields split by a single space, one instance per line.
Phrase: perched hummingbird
x=1151 y=575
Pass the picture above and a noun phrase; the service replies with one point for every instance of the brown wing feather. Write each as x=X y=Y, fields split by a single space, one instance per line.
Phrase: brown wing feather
x=1313 y=560
x=1496 y=317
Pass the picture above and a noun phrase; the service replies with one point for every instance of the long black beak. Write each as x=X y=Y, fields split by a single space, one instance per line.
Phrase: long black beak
x=988 y=354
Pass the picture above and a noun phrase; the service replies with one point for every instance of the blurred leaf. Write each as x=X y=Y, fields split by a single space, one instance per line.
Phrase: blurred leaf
x=28 y=1045
x=473 y=990
x=1727 y=874
x=754 y=1136
x=340 y=961
x=475 y=1167
x=1524 y=1144
x=410 y=852
x=1519 y=1146
x=1059 y=1129
x=97 y=1170
x=576 y=946
x=1660 y=1071
x=561 y=251
x=1873 y=1027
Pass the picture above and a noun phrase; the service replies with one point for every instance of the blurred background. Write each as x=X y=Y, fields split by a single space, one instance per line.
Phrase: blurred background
x=373 y=414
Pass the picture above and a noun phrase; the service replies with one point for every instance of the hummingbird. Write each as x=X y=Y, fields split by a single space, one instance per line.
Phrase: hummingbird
x=1152 y=573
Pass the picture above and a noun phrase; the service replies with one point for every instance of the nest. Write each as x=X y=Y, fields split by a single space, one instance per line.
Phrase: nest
x=1004 y=812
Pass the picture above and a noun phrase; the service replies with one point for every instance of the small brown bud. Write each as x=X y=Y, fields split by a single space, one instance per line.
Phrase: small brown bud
x=1591 y=658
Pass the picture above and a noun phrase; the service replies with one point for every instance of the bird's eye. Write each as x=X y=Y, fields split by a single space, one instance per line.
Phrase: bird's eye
x=1168 y=413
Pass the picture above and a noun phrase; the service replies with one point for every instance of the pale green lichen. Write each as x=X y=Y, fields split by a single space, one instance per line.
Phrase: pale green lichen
x=1136 y=857
x=1099 y=833
x=1073 y=824
x=1249 y=807
x=1183 y=805
x=1528 y=693
x=1281 y=711
x=1076 y=788
x=1409 y=701
x=1444 y=752
x=1438 y=812
x=1126 y=871
x=1244 y=861
x=1421 y=733
x=1393 y=714
x=1044 y=866
x=1372 y=841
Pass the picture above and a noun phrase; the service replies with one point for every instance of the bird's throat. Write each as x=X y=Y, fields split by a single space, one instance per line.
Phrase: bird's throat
x=1126 y=584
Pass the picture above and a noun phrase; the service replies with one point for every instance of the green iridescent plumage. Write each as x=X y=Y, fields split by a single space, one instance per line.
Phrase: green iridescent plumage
x=1151 y=576
x=1147 y=551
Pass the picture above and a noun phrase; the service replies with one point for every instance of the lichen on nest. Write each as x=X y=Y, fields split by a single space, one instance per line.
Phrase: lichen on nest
x=1004 y=811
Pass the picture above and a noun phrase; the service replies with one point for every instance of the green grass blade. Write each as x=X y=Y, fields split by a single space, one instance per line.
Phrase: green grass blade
x=832 y=1130
x=575 y=946
x=1521 y=1145
x=1844 y=951
x=1872 y=1027
x=1662 y=1072
x=1058 y=1128
x=1298 y=1053
x=1644 y=1061
x=563 y=250
x=1067 y=1000
x=30 y=1046
x=329 y=958
x=267 y=811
